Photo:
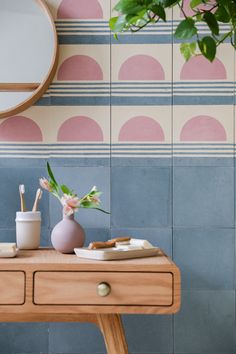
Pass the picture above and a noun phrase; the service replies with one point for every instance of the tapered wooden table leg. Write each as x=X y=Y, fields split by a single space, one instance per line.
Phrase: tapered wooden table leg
x=113 y=333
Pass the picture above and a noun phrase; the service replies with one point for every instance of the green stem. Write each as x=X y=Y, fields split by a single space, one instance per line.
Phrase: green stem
x=182 y=8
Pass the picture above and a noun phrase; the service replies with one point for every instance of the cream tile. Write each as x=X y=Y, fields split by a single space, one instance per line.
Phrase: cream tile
x=122 y=114
x=225 y=54
x=100 y=53
x=223 y=114
x=161 y=52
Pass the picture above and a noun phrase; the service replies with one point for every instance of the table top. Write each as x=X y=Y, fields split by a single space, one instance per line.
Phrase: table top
x=48 y=257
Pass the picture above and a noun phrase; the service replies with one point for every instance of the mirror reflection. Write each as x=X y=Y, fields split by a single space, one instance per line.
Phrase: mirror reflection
x=28 y=50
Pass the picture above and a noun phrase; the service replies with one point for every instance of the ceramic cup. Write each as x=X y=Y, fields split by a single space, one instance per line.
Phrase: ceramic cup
x=28 y=228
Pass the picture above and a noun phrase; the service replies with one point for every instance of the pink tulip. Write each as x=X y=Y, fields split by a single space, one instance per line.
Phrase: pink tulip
x=67 y=210
x=95 y=200
x=45 y=184
x=72 y=202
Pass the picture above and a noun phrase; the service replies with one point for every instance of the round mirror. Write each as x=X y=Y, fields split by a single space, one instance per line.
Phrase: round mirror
x=29 y=52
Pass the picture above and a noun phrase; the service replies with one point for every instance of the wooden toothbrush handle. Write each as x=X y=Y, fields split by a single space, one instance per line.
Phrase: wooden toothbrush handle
x=22 y=203
x=35 y=206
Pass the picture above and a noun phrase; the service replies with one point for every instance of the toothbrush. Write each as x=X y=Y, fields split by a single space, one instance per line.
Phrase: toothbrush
x=37 y=198
x=22 y=199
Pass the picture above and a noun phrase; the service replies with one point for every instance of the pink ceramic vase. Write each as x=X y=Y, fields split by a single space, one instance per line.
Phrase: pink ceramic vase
x=67 y=235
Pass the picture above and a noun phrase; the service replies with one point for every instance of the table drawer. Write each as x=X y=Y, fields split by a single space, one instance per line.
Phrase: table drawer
x=81 y=288
x=12 y=288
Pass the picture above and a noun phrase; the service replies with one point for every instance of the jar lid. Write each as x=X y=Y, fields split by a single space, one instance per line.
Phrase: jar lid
x=28 y=215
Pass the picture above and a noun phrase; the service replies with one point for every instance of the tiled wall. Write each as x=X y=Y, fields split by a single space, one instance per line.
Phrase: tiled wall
x=157 y=135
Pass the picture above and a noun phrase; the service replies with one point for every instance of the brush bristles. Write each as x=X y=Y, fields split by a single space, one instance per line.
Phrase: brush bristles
x=22 y=188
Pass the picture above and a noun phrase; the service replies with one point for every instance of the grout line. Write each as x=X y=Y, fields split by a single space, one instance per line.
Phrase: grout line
x=234 y=175
x=110 y=125
x=172 y=161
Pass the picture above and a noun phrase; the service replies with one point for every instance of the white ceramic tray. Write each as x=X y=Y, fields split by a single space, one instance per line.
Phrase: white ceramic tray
x=8 y=254
x=109 y=254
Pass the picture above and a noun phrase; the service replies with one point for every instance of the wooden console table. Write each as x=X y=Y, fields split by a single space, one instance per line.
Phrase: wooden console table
x=45 y=286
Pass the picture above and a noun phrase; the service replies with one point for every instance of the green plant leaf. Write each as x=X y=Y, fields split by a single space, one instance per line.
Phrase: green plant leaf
x=51 y=174
x=103 y=211
x=186 y=29
x=222 y=14
x=93 y=193
x=188 y=50
x=55 y=188
x=88 y=205
x=66 y=190
x=194 y=3
x=159 y=11
x=207 y=46
x=130 y=7
x=211 y=21
x=137 y=20
x=118 y=23
x=199 y=16
x=169 y=3
x=112 y=22
x=193 y=46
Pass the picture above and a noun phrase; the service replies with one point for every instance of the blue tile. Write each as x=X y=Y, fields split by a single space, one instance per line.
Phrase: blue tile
x=81 y=180
x=10 y=178
x=203 y=196
x=198 y=253
x=97 y=235
x=91 y=235
x=22 y=162
x=79 y=161
x=9 y=235
x=206 y=323
x=158 y=237
x=148 y=333
x=75 y=338
x=141 y=196
x=203 y=161
x=23 y=338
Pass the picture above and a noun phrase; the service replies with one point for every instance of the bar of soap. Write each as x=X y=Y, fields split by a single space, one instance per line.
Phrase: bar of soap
x=123 y=243
x=140 y=243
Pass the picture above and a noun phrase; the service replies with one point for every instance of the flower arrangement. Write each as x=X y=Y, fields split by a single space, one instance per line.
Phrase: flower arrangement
x=69 y=200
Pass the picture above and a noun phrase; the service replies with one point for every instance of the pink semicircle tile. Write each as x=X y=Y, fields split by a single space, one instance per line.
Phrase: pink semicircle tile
x=203 y=128
x=189 y=12
x=141 y=128
x=80 y=9
x=141 y=67
x=80 y=68
x=80 y=128
x=20 y=128
x=199 y=68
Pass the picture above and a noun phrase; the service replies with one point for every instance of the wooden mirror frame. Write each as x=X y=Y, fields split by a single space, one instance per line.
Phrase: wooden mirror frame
x=38 y=89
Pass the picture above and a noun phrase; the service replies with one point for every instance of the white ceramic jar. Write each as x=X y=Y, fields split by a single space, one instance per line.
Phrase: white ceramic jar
x=28 y=229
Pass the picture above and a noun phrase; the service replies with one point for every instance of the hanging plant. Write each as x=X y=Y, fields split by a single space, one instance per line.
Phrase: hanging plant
x=137 y=14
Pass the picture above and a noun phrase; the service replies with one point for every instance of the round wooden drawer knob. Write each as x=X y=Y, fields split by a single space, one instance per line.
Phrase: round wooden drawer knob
x=103 y=289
